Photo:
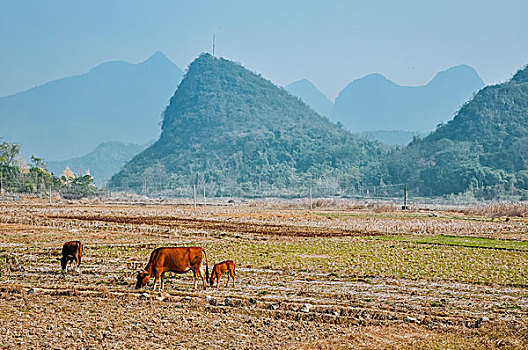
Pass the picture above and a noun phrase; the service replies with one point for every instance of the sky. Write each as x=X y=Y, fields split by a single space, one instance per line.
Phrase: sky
x=327 y=42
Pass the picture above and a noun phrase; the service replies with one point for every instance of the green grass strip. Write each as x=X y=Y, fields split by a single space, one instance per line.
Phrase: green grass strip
x=463 y=241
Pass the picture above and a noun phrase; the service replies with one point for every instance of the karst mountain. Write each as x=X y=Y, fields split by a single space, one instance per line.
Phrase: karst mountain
x=234 y=131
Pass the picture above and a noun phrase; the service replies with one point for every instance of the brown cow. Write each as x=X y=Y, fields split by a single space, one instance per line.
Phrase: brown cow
x=221 y=268
x=175 y=259
x=71 y=251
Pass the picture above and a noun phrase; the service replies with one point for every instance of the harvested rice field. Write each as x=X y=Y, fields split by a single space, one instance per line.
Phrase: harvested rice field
x=328 y=278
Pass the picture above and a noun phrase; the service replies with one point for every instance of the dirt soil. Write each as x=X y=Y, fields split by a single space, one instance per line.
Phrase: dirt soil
x=284 y=297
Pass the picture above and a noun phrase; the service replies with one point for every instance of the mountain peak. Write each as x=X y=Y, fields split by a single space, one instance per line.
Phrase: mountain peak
x=373 y=80
x=157 y=58
x=91 y=108
x=376 y=103
x=374 y=76
x=305 y=82
x=458 y=74
x=204 y=58
x=308 y=92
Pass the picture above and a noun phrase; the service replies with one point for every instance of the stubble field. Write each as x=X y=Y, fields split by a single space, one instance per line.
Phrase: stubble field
x=321 y=279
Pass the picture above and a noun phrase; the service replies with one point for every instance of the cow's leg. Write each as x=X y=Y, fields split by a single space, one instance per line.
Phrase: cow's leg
x=196 y=275
x=228 y=276
x=233 y=276
x=156 y=278
x=162 y=281
x=218 y=280
x=202 y=275
x=78 y=264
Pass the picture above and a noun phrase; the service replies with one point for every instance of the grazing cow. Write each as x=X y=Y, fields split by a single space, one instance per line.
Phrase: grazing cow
x=221 y=268
x=71 y=251
x=175 y=259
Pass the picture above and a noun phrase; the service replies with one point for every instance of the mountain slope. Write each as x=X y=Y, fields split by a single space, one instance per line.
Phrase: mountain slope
x=483 y=149
x=306 y=91
x=376 y=103
x=237 y=132
x=392 y=137
x=103 y=162
x=71 y=116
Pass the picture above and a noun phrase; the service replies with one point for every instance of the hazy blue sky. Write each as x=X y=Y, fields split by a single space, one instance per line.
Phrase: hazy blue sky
x=327 y=42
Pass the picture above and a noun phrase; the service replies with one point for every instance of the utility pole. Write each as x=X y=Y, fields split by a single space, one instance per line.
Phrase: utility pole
x=205 y=200
x=310 y=197
x=194 y=195
x=50 y=194
x=405 y=197
x=1 y=183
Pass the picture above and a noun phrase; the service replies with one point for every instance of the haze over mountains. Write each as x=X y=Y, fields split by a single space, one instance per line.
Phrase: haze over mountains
x=115 y=101
x=382 y=110
x=375 y=103
x=103 y=162
x=306 y=91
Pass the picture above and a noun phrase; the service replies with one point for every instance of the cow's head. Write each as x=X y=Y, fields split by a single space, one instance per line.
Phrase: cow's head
x=142 y=279
x=64 y=262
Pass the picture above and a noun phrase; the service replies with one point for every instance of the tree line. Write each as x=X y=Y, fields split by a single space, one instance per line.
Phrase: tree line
x=17 y=176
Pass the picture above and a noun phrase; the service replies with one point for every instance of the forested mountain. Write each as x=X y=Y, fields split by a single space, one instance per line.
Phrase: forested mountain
x=306 y=91
x=376 y=103
x=71 y=116
x=484 y=149
x=103 y=162
x=237 y=133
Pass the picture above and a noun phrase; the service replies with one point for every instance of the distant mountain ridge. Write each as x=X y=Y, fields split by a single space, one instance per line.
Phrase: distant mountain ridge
x=70 y=116
x=376 y=103
x=306 y=91
x=103 y=162
x=483 y=149
x=238 y=134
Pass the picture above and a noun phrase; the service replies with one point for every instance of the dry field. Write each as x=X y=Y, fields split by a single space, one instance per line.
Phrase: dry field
x=347 y=278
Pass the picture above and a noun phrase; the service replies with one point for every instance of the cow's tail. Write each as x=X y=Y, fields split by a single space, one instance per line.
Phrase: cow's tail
x=206 y=266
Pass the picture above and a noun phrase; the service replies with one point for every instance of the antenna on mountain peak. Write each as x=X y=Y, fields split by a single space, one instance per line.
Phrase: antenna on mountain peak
x=213 y=42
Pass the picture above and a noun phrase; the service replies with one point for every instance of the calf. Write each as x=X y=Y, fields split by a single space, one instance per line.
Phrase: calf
x=221 y=268
x=175 y=259
x=71 y=251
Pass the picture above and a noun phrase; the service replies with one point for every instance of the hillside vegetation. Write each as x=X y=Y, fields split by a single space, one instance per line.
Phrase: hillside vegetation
x=17 y=177
x=236 y=132
x=482 y=151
